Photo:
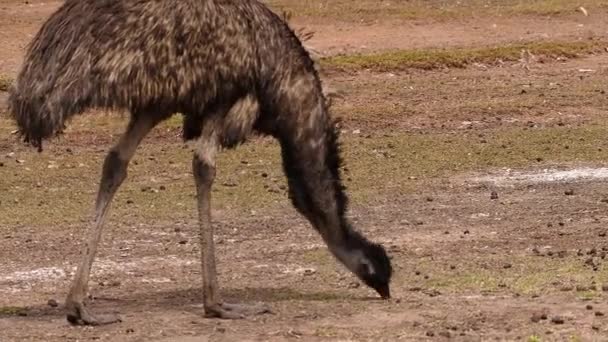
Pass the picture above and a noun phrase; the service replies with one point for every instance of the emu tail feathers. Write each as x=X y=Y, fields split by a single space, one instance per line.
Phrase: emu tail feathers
x=37 y=117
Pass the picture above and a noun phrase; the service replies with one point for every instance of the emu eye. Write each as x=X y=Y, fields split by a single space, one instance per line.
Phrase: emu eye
x=368 y=267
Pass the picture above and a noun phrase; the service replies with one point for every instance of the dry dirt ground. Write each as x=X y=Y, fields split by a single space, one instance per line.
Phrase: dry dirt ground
x=488 y=186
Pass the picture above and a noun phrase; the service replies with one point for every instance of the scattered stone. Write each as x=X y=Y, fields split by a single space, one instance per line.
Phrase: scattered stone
x=183 y=242
x=352 y=285
x=129 y=331
x=52 y=303
x=557 y=320
x=599 y=314
x=445 y=334
x=466 y=232
x=430 y=334
x=429 y=199
x=417 y=272
x=130 y=202
x=507 y=266
x=162 y=187
x=264 y=174
x=566 y=288
x=452 y=267
x=432 y=293
x=605 y=287
x=415 y=289
x=494 y=195
x=536 y=317
x=589 y=307
x=569 y=192
x=311 y=271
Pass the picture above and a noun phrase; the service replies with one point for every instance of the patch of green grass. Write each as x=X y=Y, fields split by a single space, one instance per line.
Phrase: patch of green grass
x=457 y=57
x=56 y=187
x=551 y=7
x=11 y=310
x=528 y=275
x=534 y=338
x=362 y=10
x=5 y=82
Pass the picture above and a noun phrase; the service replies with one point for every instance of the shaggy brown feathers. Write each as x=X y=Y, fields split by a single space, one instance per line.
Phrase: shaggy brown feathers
x=231 y=67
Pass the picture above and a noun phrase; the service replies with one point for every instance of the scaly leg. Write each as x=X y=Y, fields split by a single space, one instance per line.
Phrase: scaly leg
x=203 y=166
x=113 y=174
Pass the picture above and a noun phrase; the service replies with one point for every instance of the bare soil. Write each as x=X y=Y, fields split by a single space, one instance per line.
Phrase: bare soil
x=476 y=258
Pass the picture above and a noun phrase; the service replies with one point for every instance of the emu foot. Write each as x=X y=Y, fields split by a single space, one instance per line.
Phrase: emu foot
x=78 y=314
x=236 y=311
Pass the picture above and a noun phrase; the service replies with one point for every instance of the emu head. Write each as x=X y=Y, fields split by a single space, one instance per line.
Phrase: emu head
x=368 y=261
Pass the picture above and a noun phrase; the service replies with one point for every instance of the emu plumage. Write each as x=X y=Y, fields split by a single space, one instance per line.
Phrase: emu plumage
x=232 y=68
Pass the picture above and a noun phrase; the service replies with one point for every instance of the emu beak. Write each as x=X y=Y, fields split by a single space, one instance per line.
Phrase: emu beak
x=384 y=291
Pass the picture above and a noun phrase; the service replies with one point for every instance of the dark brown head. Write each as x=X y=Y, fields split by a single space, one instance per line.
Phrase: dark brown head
x=375 y=269
x=368 y=261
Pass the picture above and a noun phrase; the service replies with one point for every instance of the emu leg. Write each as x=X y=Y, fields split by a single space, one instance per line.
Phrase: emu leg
x=113 y=174
x=203 y=166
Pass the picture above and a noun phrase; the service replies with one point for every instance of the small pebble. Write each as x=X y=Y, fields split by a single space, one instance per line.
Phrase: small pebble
x=569 y=192
x=445 y=334
x=599 y=314
x=589 y=307
x=536 y=317
x=557 y=320
x=494 y=195
x=52 y=303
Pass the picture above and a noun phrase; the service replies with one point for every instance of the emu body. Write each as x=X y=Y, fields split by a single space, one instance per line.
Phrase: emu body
x=232 y=68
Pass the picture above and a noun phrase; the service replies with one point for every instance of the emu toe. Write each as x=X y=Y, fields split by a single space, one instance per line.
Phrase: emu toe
x=236 y=311
x=78 y=314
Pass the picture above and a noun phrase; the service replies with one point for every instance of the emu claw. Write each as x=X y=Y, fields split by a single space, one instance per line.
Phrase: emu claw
x=79 y=315
x=236 y=311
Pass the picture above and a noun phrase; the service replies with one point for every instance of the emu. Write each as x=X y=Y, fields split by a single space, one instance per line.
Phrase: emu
x=231 y=68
